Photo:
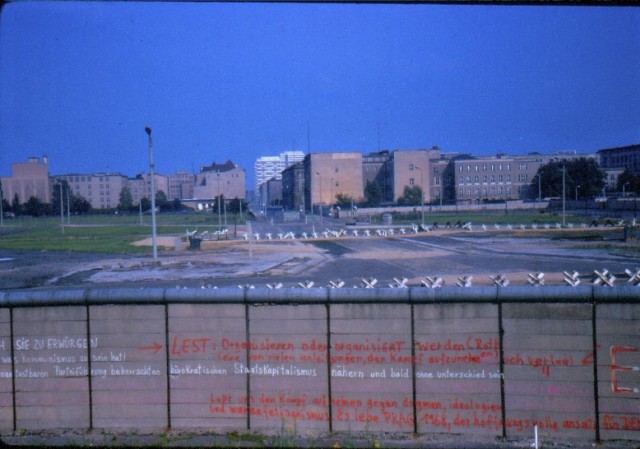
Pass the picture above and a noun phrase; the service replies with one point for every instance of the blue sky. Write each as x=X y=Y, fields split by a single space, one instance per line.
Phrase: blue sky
x=79 y=81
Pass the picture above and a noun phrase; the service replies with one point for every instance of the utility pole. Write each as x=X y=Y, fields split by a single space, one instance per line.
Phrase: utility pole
x=154 y=239
x=61 y=207
x=564 y=195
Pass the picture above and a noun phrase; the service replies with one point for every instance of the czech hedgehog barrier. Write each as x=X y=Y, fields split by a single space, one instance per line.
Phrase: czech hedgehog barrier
x=481 y=360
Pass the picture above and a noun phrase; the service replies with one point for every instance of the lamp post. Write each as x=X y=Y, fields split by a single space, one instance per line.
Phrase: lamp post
x=320 y=191
x=154 y=240
x=1 y=205
x=564 y=191
x=421 y=193
x=623 y=189
x=577 y=187
x=61 y=207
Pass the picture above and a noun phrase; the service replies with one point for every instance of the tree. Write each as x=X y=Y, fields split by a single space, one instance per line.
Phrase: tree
x=411 y=196
x=628 y=182
x=582 y=175
x=344 y=201
x=125 y=202
x=55 y=196
x=35 y=207
x=372 y=194
x=15 y=205
x=145 y=203
x=80 y=204
x=161 y=201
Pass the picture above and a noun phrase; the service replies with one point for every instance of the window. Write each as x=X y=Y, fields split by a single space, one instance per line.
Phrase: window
x=523 y=166
x=500 y=178
x=484 y=178
x=484 y=167
x=477 y=168
x=411 y=181
x=460 y=168
x=436 y=170
x=468 y=179
x=493 y=178
x=477 y=179
x=411 y=167
x=508 y=178
x=493 y=167
x=468 y=167
x=437 y=178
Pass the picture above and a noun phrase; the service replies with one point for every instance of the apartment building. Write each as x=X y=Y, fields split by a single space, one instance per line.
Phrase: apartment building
x=293 y=187
x=28 y=179
x=620 y=158
x=102 y=190
x=327 y=175
x=180 y=185
x=377 y=169
x=494 y=178
x=268 y=167
x=413 y=168
x=140 y=186
x=214 y=180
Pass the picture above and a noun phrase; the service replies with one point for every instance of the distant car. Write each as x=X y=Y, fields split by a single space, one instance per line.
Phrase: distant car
x=9 y=215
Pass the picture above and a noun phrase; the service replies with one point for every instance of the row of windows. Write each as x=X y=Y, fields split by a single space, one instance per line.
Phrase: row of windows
x=491 y=167
x=523 y=177
x=485 y=191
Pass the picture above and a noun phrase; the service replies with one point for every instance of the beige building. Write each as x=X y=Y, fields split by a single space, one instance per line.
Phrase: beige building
x=102 y=190
x=413 y=168
x=140 y=186
x=226 y=179
x=180 y=185
x=329 y=174
x=28 y=179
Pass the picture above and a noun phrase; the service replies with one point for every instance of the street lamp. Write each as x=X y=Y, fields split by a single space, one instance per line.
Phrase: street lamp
x=320 y=191
x=623 y=189
x=61 y=207
x=154 y=240
x=1 y=205
x=564 y=196
x=421 y=192
x=577 y=187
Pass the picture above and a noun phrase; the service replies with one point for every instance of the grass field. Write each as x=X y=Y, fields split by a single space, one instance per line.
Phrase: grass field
x=99 y=233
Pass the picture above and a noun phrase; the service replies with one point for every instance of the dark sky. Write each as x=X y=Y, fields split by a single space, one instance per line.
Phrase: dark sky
x=79 y=81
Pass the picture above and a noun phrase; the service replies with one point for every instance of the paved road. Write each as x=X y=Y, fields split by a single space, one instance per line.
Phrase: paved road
x=449 y=255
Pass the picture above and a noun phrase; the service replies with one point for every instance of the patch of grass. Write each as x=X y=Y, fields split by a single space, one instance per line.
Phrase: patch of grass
x=101 y=233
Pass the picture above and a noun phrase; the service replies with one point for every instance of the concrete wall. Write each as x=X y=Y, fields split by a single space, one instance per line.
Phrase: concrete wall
x=453 y=360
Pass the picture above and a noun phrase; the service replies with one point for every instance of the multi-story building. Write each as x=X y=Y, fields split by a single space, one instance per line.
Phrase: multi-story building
x=327 y=175
x=180 y=185
x=140 y=186
x=614 y=161
x=293 y=193
x=621 y=158
x=28 y=179
x=377 y=169
x=268 y=167
x=494 y=178
x=225 y=179
x=413 y=168
x=102 y=190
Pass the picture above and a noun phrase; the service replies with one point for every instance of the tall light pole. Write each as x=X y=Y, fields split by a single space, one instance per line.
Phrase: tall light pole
x=577 y=187
x=1 y=205
x=564 y=195
x=320 y=191
x=154 y=239
x=219 y=198
x=421 y=192
x=61 y=207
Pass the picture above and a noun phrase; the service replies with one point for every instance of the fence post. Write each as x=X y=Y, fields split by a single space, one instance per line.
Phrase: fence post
x=502 y=394
x=329 y=390
x=596 y=394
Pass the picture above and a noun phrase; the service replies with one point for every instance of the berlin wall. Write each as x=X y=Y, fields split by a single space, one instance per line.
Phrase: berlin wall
x=483 y=360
